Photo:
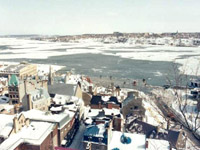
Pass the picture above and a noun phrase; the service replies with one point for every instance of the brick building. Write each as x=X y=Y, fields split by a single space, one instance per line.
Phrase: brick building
x=99 y=102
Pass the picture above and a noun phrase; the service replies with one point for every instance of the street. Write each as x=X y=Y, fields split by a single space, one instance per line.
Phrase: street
x=77 y=141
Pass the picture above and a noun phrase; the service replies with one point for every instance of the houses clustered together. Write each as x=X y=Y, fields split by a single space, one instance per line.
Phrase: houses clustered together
x=170 y=39
x=44 y=112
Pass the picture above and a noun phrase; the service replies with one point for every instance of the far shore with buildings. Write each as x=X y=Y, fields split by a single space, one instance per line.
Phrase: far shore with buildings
x=171 y=39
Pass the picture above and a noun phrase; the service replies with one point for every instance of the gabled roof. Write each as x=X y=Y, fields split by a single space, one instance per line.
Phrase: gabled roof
x=128 y=99
x=95 y=130
x=152 y=131
x=98 y=99
x=13 y=81
x=39 y=94
x=62 y=89
x=114 y=99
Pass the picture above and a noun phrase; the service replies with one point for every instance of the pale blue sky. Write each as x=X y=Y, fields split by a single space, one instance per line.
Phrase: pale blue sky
x=98 y=16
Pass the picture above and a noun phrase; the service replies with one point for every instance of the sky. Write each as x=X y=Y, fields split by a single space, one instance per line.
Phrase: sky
x=70 y=17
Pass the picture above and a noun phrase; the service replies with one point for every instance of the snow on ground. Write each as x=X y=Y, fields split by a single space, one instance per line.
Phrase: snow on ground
x=32 y=49
x=153 y=114
x=171 y=99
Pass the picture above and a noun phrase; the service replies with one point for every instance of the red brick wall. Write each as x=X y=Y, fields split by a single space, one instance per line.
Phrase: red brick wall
x=109 y=105
x=47 y=144
x=63 y=132
x=96 y=106
x=54 y=135
x=27 y=147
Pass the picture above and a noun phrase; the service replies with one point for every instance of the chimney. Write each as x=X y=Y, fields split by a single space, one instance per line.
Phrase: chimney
x=29 y=102
x=118 y=91
x=100 y=107
x=25 y=86
x=50 y=79
x=27 y=122
x=168 y=124
x=8 y=78
x=16 y=124
x=90 y=89
x=109 y=105
x=147 y=144
x=36 y=77
x=68 y=74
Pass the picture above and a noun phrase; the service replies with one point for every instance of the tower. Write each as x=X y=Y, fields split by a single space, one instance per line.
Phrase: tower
x=50 y=77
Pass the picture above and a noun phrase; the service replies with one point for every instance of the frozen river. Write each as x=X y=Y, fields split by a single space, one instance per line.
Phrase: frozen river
x=121 y=61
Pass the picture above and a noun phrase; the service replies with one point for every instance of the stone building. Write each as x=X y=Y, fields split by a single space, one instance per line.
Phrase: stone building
x=133 y=105
x=18 y=90
x=21 y=70
x=37 y=99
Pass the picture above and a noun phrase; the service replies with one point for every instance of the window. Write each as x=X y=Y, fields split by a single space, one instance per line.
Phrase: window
x=135 y=107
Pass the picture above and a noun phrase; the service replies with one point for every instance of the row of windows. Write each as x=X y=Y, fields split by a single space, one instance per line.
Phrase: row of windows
x=14 y=96
x=14 y=90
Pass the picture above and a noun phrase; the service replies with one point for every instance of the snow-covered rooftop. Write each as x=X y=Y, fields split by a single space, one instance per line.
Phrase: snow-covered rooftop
x=137 y=142
x=34 y=134
x=6 y=107
x=154 y=144
x=61 y=118
x=6 y=125
x=4 y=99
x=95 y=130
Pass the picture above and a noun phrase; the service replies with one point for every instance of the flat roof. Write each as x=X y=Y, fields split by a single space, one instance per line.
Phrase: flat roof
x=34 y=134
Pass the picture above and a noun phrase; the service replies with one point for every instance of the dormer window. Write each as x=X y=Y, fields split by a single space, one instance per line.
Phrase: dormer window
x=135 y=107
x=100 y=140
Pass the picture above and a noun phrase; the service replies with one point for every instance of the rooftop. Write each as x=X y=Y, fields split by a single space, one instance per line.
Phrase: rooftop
x=153 y=132
x=38 y=115
x=13 y=81
x=136 y=141
x=38 y=94
x=6 y=125
x=62 y=89
x=34 y=134
x=95 y=130
x=154 y=144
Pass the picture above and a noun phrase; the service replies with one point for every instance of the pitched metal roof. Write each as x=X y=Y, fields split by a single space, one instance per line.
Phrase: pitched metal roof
x=62 y=89
x=151 y=132
x=96 y=100
x=13 y=81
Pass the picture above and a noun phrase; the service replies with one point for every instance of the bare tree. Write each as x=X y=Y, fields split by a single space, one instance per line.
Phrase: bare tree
x=185 y=115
